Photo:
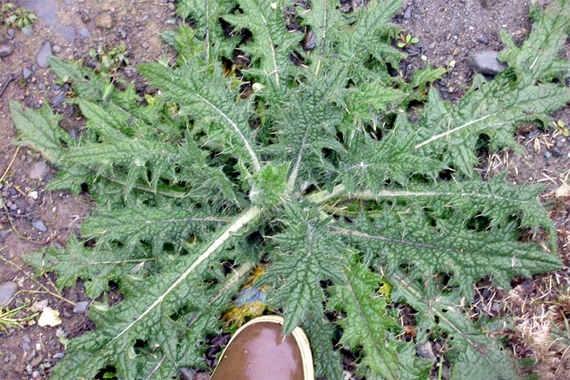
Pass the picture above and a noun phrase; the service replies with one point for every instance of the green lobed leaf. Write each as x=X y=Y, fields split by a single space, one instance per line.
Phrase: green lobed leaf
x=264 y=19
x=39 y=130
x=473 y=353
x=207 y=96
x=306 y=254
x=368 y=325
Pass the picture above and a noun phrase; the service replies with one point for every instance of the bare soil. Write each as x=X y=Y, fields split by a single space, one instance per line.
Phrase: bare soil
x=71 y=27
x=448 y=30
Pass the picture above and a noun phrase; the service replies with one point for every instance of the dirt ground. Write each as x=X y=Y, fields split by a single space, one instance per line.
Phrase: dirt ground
x=32 y=217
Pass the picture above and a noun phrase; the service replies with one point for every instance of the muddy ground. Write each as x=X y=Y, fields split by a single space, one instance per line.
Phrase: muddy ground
x=32 y=218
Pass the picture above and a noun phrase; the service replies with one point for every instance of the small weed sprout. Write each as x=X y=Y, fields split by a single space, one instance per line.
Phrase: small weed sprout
x=407 y=40
x=17 y=17
x=110 y=59
x=562 y=128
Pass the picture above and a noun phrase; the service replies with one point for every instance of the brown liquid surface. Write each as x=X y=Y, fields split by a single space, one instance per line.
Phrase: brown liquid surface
x=261 y=352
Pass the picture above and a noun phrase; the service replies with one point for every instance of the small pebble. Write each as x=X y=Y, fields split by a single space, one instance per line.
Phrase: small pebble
x=7 y=291
x=43 y=54
x=84 y=33
x=556 y=152
x=483 y=40
x=38 y=170
x=58 y=99
x=486 y=62
x=408 y=13
x=56 y=49
x=11 y=33
x=67 y=312
x=26 y=74
x=81 y=307
x=39 y=225
x=28 y=30
x=59 y=355
x=561 y=141
x=6 y=50
x=104 y=21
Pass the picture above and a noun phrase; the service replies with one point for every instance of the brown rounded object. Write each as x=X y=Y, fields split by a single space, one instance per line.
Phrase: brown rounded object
x=259 y=351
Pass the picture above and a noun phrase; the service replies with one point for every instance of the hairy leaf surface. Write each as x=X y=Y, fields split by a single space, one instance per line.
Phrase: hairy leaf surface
x=279 y=142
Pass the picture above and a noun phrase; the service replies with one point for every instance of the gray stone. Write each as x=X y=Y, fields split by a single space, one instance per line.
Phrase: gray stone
x=561 y=141
x=483 y=39
x=486 y=62
x=7 y=291
x=43 y=54
x=556 y=152
x=58 y=99
x=28 y=30
x=6 y=50
x=84 y=33
x=39 y=225
x=38 y=170
x=11 y=33
x=81 y=307
x=104 y=21
x=408 y=13
x=26 y=74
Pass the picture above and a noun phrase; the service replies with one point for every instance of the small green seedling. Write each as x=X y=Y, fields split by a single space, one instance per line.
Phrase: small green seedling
x=110 y=58
x=406 y=40
x=17 y=17
x=562 y=127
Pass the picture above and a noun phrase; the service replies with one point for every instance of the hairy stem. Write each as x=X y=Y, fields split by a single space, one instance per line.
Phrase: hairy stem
x=236 y=226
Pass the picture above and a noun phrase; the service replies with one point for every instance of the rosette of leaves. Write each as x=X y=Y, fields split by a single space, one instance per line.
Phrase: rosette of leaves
x=309 y=166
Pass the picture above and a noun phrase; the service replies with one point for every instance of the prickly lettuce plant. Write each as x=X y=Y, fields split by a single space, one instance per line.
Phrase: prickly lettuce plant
x=257 y=151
